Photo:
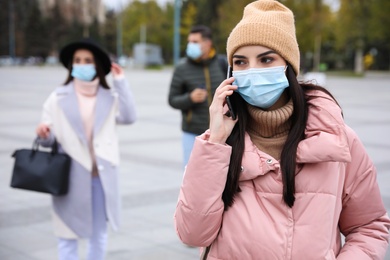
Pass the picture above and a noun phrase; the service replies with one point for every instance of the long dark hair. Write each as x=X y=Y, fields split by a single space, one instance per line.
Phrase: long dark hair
x=99 y=71
x=297 y=92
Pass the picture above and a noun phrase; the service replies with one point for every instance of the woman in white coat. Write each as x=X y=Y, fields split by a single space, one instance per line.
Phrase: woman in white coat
x=82 y=116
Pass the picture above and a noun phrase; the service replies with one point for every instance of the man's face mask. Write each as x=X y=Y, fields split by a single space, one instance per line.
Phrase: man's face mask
x=194 y=50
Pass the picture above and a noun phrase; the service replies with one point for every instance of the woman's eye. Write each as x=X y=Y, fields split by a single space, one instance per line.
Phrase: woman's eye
x=238 y=62
x=266 y=59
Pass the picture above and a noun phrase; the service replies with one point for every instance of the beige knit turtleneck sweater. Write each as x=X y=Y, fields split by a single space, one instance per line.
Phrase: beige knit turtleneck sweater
x=268 y=130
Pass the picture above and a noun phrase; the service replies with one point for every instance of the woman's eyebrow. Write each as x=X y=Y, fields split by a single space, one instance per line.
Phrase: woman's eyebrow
x=258 y=56
x=265 y=53
x=239 y=56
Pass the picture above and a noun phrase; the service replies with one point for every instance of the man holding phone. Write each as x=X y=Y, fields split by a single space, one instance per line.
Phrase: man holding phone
x=193 y=84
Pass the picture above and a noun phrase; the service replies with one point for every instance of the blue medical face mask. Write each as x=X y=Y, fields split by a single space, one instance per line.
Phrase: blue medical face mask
x=261 y=87
x=194 y=50
x=85 y=72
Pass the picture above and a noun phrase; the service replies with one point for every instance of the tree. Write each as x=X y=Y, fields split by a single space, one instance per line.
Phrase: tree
x=15 y=15
x=209 y=15
x=35 y=33
x=109 y=32
x=230 y=13
x=312 y=20
x=59 y=29
x=378 y=33
x=157 y=22
x=138 y=14
x=166 y=31
x=4 y=27
x=352 y=29
x=188 y=19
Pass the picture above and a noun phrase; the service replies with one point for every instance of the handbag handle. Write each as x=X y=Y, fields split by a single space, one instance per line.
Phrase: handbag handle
x=54 y=146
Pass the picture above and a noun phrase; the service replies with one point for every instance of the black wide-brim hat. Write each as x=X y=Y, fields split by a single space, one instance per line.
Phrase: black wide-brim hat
x=66 y=53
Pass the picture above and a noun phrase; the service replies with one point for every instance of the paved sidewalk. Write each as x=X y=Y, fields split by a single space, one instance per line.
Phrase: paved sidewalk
x=151 y=170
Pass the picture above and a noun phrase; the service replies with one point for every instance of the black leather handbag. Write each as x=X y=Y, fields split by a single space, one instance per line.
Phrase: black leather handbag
x=41 y=171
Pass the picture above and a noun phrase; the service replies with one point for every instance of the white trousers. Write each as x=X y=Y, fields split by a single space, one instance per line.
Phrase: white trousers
x=68 y=248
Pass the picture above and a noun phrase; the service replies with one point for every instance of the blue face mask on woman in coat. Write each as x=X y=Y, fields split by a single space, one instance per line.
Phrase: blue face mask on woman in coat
x=85 y=72
x=261 y=87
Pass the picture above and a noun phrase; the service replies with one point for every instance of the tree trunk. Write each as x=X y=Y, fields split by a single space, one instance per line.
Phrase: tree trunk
x=359 y=69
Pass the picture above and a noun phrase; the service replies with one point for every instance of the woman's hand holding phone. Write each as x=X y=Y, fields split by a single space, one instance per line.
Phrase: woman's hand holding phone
x=231 y=113
x=220 y=124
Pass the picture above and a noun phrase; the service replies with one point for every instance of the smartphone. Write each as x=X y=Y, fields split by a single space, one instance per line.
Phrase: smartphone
x=228 y=102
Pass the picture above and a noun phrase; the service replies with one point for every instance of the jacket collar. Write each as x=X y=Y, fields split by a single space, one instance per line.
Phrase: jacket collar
x=325 y=140
x=69 y=104
x=103 y=106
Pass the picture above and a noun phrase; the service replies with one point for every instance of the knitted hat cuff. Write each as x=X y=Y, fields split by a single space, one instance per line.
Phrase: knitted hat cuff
x=270 y=24
x=241 y=37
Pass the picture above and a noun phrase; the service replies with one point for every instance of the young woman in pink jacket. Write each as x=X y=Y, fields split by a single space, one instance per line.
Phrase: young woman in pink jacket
x=286 y=178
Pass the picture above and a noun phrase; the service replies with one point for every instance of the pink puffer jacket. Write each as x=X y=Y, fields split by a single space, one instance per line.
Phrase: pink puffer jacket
x=336 y=193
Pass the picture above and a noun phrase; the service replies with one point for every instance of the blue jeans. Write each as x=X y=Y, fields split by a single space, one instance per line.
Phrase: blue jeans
x=188 y=140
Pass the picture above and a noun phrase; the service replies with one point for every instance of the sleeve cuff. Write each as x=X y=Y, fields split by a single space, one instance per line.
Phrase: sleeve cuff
x=119 y=77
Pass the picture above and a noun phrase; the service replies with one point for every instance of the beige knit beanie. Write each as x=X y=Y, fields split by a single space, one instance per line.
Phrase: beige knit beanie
x=270 y=24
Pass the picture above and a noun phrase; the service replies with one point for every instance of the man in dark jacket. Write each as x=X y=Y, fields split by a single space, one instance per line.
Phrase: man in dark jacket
x=193 y=84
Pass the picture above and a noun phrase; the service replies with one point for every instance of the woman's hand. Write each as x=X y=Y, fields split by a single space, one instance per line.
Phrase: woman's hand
x=116 y=70
x=221 y=125
x=43 y=131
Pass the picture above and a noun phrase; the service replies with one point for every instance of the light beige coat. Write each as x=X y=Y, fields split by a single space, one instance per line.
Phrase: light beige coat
x=73 y=212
